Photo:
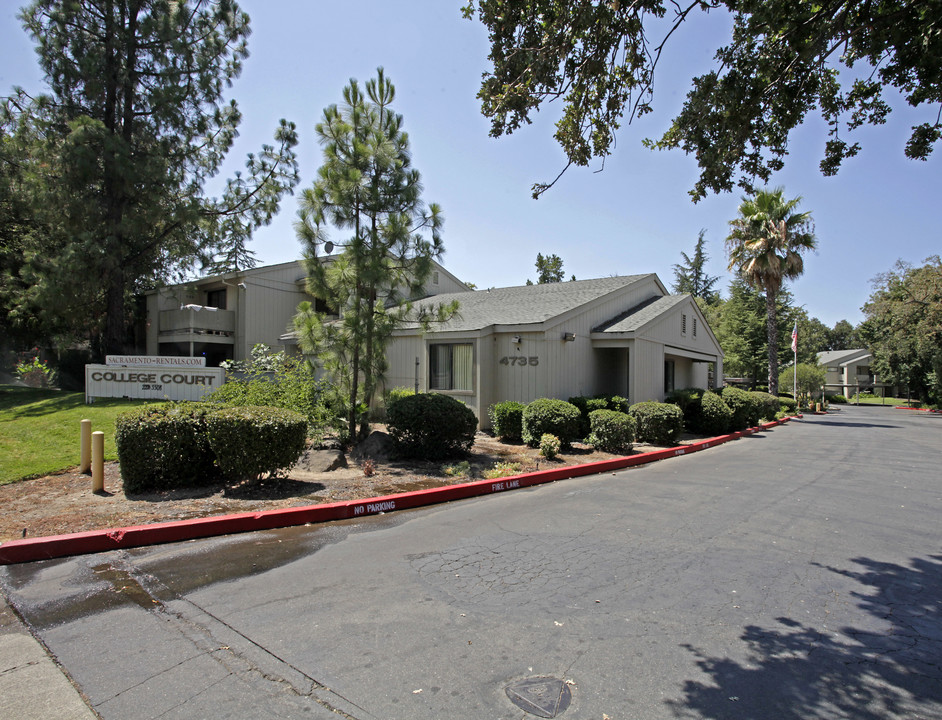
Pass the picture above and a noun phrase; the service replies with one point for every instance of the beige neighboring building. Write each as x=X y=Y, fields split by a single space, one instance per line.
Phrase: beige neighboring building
x=614 y=336
x=848 y=372
x=223 y=317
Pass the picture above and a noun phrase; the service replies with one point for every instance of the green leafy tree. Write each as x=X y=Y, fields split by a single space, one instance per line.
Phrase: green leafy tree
x=809 y=377
x=739 y=323
x=367 y=188
x=903 y=327
x=781 y=62
x=134 y=126
x=740 y=330
x=813 y=336
x=691 y=276
x=844 y=336
x=765 y=247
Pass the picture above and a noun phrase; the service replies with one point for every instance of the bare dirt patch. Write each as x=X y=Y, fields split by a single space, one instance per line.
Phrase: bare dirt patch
x=65 y=503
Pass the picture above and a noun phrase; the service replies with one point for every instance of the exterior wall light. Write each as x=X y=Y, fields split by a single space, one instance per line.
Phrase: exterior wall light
x=569 y=337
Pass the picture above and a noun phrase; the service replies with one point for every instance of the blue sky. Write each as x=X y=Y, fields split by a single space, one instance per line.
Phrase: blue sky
x=634 y=216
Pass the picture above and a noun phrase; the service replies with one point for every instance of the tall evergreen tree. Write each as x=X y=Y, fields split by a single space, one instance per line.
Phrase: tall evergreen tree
x=134 y=127
x=549 y=269
x=691 y=276
x=765 y=247
x=367 y=188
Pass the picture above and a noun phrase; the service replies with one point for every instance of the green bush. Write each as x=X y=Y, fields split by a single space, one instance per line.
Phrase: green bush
x=836 y=399
x=611 y=431
x=741 y=404
x=587 y=405
x=549 y=446
x=714 y=416
x=688 y=400
x=253 y=441
x=430 y=426
x=507 y=420
x=276 y=381
x=766 y=406
x=166 y=446
x=657 y=423
x=549 y=415
x=788 y=405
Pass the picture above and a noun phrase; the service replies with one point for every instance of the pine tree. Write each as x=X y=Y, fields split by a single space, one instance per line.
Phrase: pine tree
x=691 y=276
x=133 y=128
x=367 y=188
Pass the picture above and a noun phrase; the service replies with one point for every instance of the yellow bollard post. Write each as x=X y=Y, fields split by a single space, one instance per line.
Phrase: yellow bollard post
x=85 y=464
x=98 y=461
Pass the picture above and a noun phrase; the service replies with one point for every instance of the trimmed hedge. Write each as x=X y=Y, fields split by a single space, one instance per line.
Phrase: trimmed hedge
x=741 y=404
x=767 y=405
x=164 y=447
x=611 y=431
x=714 y=417
x=588 y=405
x=253 y=441
x=657 y=423
x=430 y=426
x=788 y=405
x=507 y=420
x=549 y=415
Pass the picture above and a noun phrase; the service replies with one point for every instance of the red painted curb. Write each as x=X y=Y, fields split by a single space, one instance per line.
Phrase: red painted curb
x=903 y=407
x=93 y=541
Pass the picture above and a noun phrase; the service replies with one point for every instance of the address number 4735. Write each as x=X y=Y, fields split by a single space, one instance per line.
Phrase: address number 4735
x=520 y=360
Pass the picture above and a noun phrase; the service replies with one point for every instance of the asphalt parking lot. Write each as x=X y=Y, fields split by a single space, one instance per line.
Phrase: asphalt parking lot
x=796 y=573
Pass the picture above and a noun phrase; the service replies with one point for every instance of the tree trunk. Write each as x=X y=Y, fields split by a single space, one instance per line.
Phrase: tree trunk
x=771 y=324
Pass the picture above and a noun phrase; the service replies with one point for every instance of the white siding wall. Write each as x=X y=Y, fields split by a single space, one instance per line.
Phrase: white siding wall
x=647 y=361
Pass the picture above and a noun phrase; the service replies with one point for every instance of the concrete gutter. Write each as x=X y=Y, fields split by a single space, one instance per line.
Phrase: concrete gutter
x=93 y=541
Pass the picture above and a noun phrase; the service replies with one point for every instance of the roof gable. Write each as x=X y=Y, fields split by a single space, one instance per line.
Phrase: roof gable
x=640 y=315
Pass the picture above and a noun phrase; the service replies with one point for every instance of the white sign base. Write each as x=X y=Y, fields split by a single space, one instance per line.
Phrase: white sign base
x=148 y=382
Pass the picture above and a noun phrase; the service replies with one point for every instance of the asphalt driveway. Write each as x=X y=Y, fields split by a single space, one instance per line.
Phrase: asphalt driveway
x=793 y=574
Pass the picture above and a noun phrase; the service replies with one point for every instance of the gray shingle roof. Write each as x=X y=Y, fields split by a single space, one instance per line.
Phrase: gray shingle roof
x=638 y=316
x=836 y=357
x=524 y=304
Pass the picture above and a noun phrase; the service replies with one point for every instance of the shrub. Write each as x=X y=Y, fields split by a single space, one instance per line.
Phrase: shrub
x=611 y=431
x=549 y=415
x=461 y=469
x=276 y=381
x=393 y=394
x=741 y=405
x=501 y=469
x=714 y=417
x=788 y=405
x=163 y=447
x=657 y=423
x=766 y=406
x=430 y=426
x=688 y=400
x=587 y=405
x=836 y=399
x=253 y=441
x=507 y=420
x=549 y=446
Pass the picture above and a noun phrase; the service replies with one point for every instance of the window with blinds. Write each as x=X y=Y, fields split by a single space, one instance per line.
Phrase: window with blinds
x=450 y=366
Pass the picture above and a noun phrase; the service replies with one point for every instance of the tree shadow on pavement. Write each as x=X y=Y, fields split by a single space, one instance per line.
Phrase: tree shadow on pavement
x=890 y=669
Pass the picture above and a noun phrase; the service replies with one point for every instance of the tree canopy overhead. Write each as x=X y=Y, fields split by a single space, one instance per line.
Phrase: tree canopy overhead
x=117 y=156
x=783 y=61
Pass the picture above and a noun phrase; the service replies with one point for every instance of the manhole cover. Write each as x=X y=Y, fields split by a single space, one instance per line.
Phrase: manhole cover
x=543 y=697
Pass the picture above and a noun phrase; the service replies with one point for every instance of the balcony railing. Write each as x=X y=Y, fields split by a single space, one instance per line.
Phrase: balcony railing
x=197 y=320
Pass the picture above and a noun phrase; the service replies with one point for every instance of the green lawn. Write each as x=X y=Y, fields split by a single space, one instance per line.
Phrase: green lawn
x=877 y=400
x=40 y=429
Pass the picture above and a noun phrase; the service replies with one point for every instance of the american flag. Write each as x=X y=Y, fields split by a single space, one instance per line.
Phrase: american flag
x=795 y=338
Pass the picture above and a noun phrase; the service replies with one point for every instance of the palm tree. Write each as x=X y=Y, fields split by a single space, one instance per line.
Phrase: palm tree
x=765 y=247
